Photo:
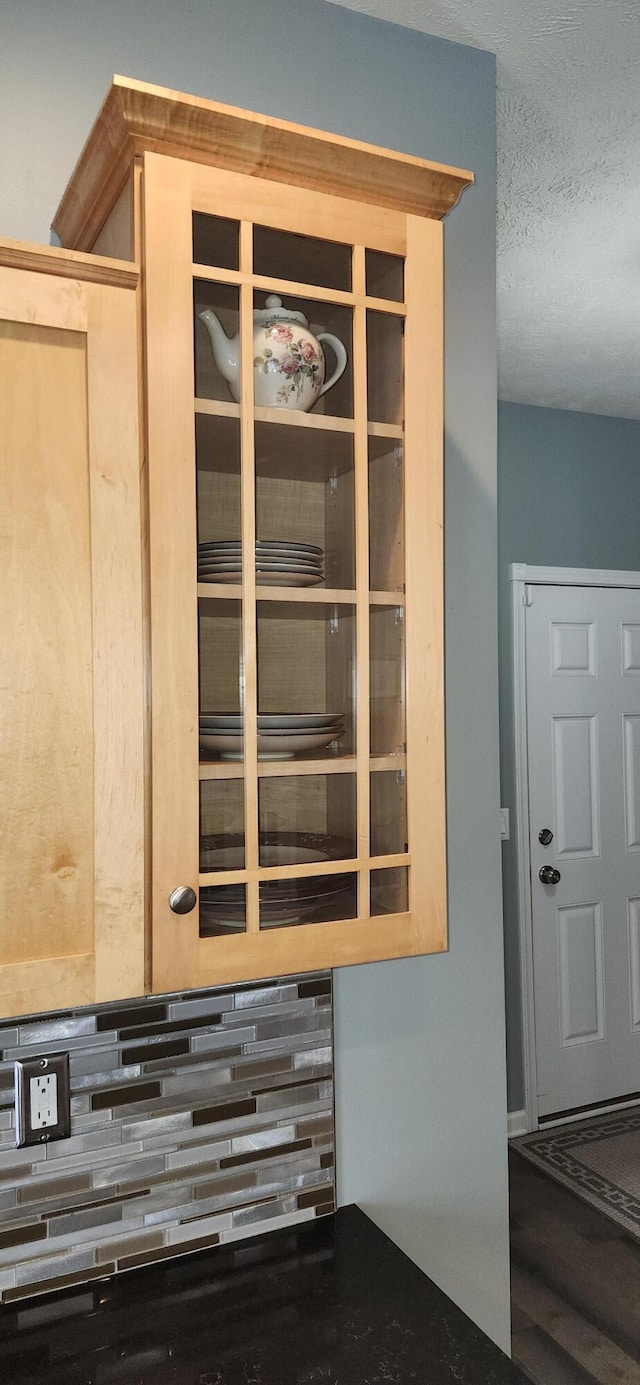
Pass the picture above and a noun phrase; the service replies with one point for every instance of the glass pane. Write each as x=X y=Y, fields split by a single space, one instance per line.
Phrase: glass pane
x=305 y=497
x=222 y=911
x=218 y=498
x=316 y=899
x=390 y=891
x=215 y=241
x=387 y=680
x=216 y=344
x=388 y=812
x=306 y=667
x=386 y=516
x=384 y=275
x=283 y=255
x=307 y=818
x=299 y=344
x=220 y=680
x=222 y=824
x=385 y=368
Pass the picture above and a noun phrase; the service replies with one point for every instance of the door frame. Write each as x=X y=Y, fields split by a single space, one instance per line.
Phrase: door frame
x=521 y=576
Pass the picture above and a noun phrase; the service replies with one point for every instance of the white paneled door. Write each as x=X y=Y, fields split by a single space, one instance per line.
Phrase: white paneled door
x=583 y=728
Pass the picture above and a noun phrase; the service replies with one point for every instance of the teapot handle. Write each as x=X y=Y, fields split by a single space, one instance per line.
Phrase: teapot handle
x=341 y=359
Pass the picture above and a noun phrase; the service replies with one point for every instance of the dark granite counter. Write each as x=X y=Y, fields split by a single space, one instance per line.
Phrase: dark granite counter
x=332 y=1302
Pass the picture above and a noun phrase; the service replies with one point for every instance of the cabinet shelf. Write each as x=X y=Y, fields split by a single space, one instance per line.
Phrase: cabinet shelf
x=289 y=443
x=277 y=769
x=328 y=596
x=296 y=418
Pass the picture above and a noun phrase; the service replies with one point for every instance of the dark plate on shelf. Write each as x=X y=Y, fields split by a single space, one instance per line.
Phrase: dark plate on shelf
x=300 y=848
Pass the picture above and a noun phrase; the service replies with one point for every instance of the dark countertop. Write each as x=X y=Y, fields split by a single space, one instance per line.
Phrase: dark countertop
x=331 y=1302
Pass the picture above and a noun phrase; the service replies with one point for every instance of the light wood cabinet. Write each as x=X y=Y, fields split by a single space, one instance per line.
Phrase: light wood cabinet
x=300 y=855
x=72 y=779
x=268 y=841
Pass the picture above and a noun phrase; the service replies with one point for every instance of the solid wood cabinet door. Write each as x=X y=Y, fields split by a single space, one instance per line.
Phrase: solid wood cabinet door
x=71 y=679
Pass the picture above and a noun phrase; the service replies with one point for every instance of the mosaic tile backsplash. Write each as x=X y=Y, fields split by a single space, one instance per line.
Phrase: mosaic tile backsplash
x=195 y=1119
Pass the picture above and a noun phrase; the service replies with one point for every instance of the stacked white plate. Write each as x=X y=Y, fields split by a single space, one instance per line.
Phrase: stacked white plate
x=281 y=735
x=279 y=563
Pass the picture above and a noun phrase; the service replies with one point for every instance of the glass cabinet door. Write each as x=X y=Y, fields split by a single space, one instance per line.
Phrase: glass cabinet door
x=300 y=514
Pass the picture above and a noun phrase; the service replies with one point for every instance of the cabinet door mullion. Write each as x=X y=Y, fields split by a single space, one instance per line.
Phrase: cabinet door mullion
x=361 y=464
x=249 y=671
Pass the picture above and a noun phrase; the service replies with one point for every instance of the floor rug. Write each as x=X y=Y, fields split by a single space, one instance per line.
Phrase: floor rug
x=597 y=1159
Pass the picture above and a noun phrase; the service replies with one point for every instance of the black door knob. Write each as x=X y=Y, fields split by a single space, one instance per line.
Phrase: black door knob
x=549 y=875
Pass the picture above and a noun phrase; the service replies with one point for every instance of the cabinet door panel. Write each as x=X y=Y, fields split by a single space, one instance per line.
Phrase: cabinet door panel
x=296 y=560
x=71 y=787
x=47 y=839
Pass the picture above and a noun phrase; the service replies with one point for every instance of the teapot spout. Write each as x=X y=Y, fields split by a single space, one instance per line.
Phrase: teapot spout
x=225 y=349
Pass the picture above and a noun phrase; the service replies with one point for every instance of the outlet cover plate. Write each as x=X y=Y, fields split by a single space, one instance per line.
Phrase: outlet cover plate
x=27 y=1070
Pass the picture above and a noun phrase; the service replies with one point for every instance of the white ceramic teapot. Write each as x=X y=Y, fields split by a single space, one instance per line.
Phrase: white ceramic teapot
x=288 y=360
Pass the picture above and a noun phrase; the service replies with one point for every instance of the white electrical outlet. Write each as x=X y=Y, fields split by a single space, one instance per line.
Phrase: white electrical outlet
x=43 y=1096
x=43 y=1099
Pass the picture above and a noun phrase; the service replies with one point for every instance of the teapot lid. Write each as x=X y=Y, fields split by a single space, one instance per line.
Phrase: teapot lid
x=275 y=312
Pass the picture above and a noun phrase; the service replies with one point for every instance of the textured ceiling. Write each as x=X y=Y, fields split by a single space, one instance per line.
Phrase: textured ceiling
x=568 y=190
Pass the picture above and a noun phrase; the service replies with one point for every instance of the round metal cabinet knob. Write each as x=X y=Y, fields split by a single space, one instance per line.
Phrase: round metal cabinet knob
x=549 y=875
x=182 y=900
x=545 y=837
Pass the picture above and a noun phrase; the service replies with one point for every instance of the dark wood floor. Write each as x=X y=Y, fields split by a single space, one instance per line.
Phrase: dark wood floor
x=575 y=1287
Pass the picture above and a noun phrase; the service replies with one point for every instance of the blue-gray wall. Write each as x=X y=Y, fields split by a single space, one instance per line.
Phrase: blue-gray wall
x=419 y=1044
x=568 y=496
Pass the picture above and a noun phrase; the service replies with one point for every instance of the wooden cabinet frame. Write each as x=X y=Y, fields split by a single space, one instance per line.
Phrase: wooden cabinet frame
x=153 y=159
x=173 y=191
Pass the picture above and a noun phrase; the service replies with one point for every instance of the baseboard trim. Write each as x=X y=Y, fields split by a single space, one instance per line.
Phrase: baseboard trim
x=516 y=1124
x=585 y=1112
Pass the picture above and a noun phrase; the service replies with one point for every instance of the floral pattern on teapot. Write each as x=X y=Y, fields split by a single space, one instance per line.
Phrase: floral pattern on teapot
x=297 y=361
x=288 y=360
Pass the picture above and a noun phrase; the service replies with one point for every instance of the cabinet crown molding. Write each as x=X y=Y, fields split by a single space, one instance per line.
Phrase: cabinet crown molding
x=68 y=264
x=137 y=117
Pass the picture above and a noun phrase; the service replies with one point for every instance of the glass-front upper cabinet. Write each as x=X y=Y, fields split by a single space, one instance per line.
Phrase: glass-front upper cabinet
x=294 y=358
x=293 y=388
